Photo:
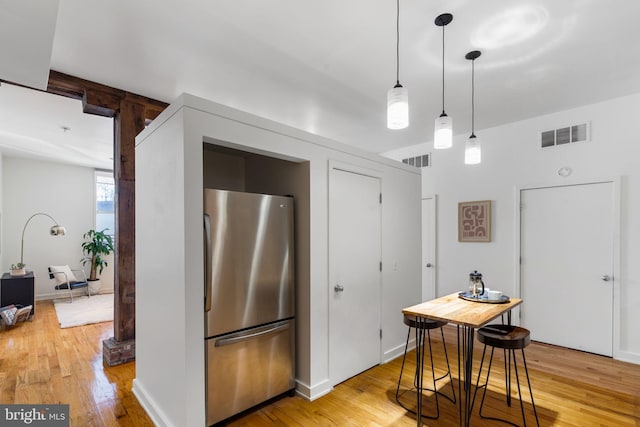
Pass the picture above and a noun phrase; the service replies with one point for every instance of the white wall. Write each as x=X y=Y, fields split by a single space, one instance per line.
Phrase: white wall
x=170 y=366
x=1 y=215
x=511 y=159
x=65 y=192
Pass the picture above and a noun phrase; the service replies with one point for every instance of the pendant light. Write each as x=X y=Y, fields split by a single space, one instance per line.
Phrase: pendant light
x=472 y=150
x=443 y=129
x=398 y=96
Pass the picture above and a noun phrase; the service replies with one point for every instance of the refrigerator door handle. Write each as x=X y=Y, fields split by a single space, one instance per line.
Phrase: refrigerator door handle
x=207 y=263
x=240 y=338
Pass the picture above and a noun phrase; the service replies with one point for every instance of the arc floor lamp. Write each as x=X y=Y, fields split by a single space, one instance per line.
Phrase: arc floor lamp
x=55 y=230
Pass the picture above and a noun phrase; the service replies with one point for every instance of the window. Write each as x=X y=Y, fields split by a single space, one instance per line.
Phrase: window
x=105 y=202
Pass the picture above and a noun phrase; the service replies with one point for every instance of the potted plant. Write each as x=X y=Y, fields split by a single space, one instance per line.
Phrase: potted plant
x=96 y=246
x=17 y=269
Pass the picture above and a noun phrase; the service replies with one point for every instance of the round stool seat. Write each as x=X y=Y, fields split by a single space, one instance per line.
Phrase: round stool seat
x=412 y=322
x=504 y=336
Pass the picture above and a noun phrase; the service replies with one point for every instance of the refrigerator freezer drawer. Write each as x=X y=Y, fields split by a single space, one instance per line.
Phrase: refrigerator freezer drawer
x=246 y=368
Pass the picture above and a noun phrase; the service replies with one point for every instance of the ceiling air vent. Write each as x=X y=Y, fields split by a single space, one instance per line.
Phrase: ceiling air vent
x=565 y=135
x=422 y=161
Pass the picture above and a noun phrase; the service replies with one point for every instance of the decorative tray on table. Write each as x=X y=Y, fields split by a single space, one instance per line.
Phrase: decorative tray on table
x=483 y=298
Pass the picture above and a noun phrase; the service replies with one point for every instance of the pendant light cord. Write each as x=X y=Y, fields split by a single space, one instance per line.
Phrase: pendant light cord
x=473 y=55
x=398 y=42
x=443 y=69
x=473 y=115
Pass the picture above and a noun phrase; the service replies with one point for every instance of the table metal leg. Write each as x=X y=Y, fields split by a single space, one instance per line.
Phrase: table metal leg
x=460 y=376
x=419 y=366
x=465 y=361
x=468 y=380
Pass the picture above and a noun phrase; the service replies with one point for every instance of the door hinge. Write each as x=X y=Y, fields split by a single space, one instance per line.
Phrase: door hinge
x=380 y=198
x=380 y=265
x=380 y=333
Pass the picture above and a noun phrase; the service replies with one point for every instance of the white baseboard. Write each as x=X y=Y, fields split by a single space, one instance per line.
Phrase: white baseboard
x=158 y=417
x=627 y=356
x=398 y=351
x=76 y=292
x=44 y=297
x=313 y=392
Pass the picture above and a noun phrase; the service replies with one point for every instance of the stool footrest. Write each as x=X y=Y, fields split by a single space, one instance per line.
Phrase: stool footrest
x=402 y=393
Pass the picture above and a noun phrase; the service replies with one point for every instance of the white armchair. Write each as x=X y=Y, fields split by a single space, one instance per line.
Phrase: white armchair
x=68 y=279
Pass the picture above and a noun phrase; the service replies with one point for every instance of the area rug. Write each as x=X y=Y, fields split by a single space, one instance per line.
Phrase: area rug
x=84 y=310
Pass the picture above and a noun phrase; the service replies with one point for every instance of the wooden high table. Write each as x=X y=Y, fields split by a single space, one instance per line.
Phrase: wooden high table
x=468 y=316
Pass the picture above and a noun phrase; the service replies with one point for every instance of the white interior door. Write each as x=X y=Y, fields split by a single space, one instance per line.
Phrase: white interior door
x=354 y=288
x=428 y=248
x=567 y=265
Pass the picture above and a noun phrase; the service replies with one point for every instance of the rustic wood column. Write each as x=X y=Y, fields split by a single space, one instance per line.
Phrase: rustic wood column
x=128 y=122
x=130 y=113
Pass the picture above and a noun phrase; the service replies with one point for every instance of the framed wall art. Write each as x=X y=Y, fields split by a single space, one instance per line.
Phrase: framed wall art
x=474 y=221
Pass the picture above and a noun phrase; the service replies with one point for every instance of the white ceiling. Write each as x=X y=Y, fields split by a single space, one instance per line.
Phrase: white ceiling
x=326 y=66
x=49 y=127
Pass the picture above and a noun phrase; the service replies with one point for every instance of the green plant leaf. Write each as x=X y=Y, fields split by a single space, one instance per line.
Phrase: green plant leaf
x=96 y=244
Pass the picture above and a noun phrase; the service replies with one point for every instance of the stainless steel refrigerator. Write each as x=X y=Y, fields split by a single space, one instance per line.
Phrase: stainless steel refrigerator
x=249 y=300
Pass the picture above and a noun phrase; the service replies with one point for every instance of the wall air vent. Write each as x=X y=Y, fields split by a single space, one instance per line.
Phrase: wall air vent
x=422 y=161
x=565 y=135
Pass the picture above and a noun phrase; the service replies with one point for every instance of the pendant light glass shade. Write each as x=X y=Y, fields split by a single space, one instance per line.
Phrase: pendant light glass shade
x=472 y=151
x=398 y=107
x=443 y=135
x=443 y=128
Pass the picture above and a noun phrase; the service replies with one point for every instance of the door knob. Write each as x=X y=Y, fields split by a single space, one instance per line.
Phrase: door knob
x=605 y=278
x=429 y=265
x=338 y=288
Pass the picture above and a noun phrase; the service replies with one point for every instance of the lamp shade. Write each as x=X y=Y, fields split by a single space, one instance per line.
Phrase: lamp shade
x=472 y=151
x=443 y=134
x=57 y=230
x=398 y=107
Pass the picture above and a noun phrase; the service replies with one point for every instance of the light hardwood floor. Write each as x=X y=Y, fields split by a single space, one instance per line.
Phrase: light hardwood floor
x=41 y=363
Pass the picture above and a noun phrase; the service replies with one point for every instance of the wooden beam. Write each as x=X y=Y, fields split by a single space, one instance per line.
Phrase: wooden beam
x=97 y=98
x=75 y=87
x=129 y=121
x=101 y=103
x=130 y=112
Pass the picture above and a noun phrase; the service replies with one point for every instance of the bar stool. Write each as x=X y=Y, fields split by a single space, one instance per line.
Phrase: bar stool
x=421 y=327
x=509 y=338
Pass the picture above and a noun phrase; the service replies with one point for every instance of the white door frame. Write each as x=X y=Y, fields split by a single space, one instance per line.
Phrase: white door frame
x=373 y=173
x=616 y=245
x=432 y=246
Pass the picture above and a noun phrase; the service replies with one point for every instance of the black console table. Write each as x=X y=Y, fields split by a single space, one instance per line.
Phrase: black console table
x=17 y=290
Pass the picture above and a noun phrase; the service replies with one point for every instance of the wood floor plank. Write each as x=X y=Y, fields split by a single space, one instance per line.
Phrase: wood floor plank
x=41 y=363
x=571 y=388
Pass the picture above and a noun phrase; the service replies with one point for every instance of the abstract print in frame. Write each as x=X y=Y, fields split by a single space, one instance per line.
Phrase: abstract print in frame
x=474 y=221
